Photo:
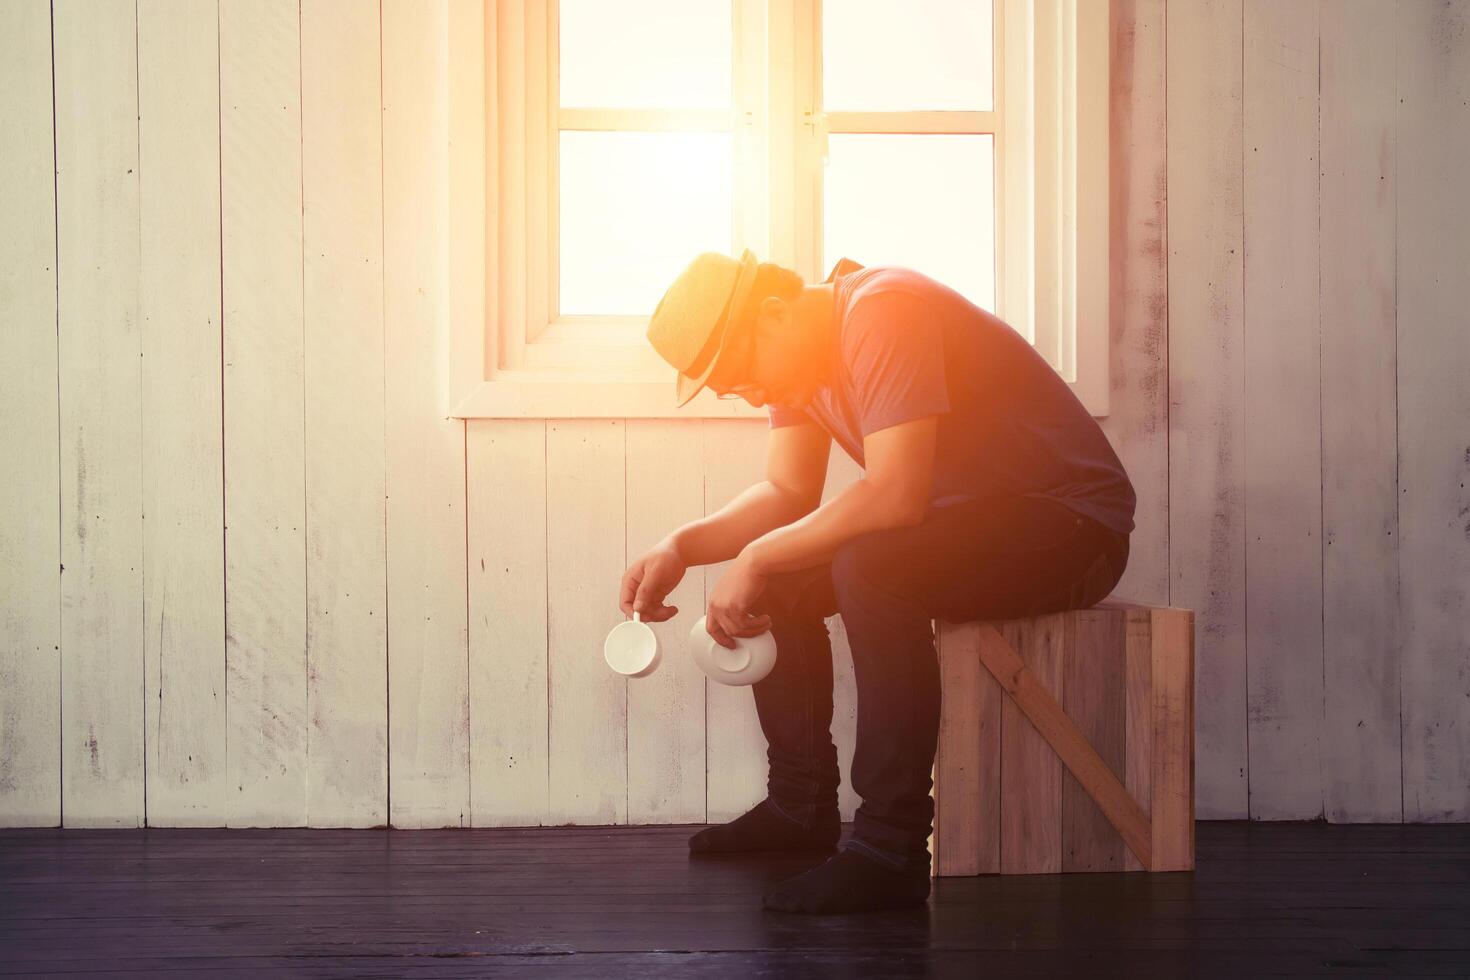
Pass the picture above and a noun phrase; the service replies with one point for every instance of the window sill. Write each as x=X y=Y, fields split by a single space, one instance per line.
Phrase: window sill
x=585 y=367
x=567 y=393
x=604 y=368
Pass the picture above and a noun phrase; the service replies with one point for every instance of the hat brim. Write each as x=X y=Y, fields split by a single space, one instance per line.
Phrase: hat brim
x=686 y=387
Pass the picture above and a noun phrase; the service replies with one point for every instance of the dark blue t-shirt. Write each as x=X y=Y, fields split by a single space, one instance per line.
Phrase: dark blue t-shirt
x=910 y=346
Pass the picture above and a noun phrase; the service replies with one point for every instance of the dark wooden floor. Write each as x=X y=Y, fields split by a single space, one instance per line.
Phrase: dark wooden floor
x=1265 y=900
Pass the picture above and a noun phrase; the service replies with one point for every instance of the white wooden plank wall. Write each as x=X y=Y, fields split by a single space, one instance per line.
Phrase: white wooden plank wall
x=264 y=412
x=1206 y=382
x=734 y=458
x=664 y=480
x=1281 y=424
x=841 y=471
x=1137 y=424
x=294 y=594
x=1432 y=51
x=509 y=633
x=30 y=488
x=1361 y=761
x=583 y=561
x=346 y=551
x=99 y=370
x=428 y=686
x=182 y=429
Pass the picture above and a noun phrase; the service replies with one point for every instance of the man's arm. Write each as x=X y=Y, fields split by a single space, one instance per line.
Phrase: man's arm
x=796 y=471
x=894 y=492
x=721 y=535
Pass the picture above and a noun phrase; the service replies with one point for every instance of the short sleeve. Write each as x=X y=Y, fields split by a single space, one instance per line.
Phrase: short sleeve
x=895 y=354
x=780 y=415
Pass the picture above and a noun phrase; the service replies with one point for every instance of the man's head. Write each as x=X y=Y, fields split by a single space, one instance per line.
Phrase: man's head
x=779 y=341
x=773 y=345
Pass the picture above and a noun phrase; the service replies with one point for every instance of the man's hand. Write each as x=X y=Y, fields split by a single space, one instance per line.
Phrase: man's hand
x=650 y=578
x=728 y=614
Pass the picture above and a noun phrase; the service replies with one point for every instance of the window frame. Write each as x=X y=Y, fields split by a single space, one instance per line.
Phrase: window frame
x=510 y=356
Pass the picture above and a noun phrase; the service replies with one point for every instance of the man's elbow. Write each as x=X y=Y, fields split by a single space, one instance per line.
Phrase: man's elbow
x=799 y=504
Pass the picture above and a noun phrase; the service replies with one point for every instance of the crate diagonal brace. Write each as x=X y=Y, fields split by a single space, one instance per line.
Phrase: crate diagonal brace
x=1070 y=745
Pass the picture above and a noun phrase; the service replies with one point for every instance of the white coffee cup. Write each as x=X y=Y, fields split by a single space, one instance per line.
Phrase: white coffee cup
x=631 y=648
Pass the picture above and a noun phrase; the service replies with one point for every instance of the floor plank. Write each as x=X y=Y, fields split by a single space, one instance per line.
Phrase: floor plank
x=1299 y=899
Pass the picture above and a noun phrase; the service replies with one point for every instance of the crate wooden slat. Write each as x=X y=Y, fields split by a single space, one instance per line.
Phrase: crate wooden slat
x=1066 y=743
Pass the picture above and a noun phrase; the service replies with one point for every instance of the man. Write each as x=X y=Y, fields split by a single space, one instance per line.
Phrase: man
x=988 y=492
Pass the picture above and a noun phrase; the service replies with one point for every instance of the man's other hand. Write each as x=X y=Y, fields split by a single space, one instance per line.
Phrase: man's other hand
x=728 y=614
x=655 y=574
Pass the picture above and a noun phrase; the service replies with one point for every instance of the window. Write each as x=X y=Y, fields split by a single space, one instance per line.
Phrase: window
x=607 y=143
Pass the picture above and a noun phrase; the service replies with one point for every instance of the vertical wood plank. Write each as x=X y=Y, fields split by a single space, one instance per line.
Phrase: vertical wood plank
x=993 y=702
x=103 y=749
x=508 y=132
x=1031 y=772
x=1094 y=674
x=585 y=558
x=471 y=177
x=1362 y=764
x=183 y=491
x=30 y=576
x=1138 y=652
x=345 y=510
x=1206 y=410
x=842 y=471
x=1137 y=424
x=734 y=459
x=1172 y=796
x=962 y=810
x=1283 y=466
x=264 y=413
x=666 y=733
x=508 y=684
x=1433 y=54
x=428 y=723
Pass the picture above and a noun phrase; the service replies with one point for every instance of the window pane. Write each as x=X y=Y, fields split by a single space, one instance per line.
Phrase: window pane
x=652 y=54
x=926 y=202
x=885 y=56
x=634 y=209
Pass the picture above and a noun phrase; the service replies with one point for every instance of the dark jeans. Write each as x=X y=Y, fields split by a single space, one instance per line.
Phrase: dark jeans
x=981 y=559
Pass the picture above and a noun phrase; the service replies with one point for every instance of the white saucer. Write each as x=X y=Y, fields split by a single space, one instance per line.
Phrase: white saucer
x=750 y=661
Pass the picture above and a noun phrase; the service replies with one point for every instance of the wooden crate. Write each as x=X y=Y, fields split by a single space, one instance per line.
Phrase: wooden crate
x=1066 y=743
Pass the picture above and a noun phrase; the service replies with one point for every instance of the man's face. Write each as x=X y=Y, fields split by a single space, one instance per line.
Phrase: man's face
x=779 y=362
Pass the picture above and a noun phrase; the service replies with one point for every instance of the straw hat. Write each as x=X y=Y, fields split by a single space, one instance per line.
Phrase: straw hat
x=690 y=327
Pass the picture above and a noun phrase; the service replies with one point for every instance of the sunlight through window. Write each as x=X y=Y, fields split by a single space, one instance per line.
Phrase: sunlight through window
x=926 y=202
x=635 y=208
x=649 y=54
x=921 y=54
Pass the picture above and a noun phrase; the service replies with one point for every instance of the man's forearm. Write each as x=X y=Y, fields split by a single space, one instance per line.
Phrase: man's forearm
x=722 y=535
x=815 y=538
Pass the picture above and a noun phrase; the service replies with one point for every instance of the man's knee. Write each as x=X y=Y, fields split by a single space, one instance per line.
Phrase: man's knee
x=863 y=560
x=803 y=592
